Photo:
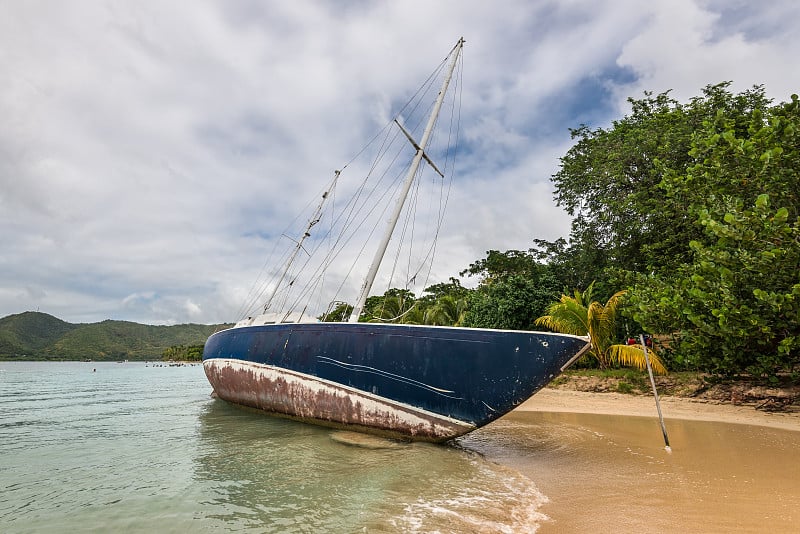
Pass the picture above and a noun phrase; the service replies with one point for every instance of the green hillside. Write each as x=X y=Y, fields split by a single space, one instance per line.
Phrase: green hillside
x=30 y=333
x=39 y=336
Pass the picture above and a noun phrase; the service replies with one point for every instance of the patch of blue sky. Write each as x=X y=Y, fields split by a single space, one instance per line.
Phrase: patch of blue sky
x=592 y=101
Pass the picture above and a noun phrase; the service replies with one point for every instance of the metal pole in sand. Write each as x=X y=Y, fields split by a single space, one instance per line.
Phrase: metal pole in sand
x=655 y=393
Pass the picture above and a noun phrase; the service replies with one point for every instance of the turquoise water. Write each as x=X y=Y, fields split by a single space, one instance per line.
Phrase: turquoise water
x=139 y=447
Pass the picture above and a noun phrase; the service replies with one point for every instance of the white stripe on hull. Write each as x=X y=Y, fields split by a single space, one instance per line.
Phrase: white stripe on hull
x=309 y=398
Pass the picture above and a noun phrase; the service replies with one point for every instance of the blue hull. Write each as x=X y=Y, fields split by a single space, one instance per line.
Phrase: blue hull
x=418 y=382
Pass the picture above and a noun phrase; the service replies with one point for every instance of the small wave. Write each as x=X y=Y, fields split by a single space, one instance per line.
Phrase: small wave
x=497 y=499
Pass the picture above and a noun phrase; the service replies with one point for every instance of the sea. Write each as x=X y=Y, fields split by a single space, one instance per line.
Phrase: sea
x=143 y=447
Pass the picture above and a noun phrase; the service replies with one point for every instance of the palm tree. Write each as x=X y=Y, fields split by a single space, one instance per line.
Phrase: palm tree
x=413 y=315
x=448 y=311
x=581 y=316
x=394 y=308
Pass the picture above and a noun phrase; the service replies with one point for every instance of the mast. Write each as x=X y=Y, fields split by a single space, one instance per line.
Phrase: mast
x=409 y=180
x=314 y=220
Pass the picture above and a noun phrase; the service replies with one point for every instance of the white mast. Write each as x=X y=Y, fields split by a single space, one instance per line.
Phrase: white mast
x=412 y=171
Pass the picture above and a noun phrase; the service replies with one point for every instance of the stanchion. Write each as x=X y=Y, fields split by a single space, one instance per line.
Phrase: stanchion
x=655 y=393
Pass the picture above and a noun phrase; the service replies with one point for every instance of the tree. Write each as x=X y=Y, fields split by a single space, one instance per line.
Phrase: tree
x=579 y=315
x=515 y=288
x=511 y=303
x=447 y=311
x=393 y=306
x=737 y=306
x=668 y=202
x=616 y=182
x=444 y=305
x=452 y=288
x=501 y=265
x=183 y=353
x=433 y=293
x=733 y=304
x=340 y=311
x=576 y=263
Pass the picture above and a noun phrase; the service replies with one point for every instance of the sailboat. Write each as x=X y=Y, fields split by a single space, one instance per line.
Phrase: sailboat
x=406 y=381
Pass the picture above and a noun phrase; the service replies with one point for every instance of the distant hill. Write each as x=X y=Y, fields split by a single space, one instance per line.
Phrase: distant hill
x=39 y=336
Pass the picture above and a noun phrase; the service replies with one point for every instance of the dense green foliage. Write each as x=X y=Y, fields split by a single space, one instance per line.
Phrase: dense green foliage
x=514 y=290
x=339 y=311
x=579 y=315
x=737 y=305
x=394 y=306
x=616 y=182
x=512 y=303
x=448 y=310
x=694 y=208
x=183 y=353
x=30 y=333
x=37 y=336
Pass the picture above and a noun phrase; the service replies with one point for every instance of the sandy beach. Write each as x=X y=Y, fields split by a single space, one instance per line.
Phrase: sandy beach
x=600 y=460
x=558 y=400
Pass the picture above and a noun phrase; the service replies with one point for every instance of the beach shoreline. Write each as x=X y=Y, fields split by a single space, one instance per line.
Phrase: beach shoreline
x=672 y=407
x=600 y=460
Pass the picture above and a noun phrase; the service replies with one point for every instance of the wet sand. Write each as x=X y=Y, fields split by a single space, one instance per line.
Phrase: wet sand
x=601 y=461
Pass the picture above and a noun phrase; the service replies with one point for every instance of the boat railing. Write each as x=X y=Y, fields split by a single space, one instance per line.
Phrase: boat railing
x=276 y=318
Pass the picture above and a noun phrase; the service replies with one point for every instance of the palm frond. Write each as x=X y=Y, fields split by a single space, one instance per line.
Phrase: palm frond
x=633 y=356
x=580 y=315
x=597 y=339
x=448 y=311
x=586 y=297
x=597 y=318
x=567 y=316
x=613 y=303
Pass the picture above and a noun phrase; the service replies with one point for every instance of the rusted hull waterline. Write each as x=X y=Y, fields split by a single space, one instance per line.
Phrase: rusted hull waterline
x=310 y=399
x=410 y=381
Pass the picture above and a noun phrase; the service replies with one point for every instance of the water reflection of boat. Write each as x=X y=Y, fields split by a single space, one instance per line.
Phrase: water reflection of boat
x=412 y=381
x=310 y=482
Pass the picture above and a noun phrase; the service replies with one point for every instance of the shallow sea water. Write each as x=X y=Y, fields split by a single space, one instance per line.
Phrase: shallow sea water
x=101 y=447
x=129 y=446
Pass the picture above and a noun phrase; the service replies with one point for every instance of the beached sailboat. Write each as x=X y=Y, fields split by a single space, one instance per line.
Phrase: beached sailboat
x=409 y=381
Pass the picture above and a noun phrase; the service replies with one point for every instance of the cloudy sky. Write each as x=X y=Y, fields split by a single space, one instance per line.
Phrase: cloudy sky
x=145 y=145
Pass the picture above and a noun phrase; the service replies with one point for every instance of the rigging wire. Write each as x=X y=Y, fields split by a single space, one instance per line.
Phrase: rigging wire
x=342 y=224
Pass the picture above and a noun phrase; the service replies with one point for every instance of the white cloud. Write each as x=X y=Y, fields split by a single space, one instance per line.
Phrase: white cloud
x=686 y=45
x=147 y=148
